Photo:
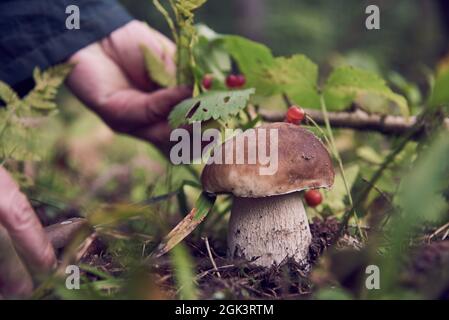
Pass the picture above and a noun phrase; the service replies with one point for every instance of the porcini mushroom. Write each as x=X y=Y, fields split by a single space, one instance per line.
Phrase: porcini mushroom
x=268 y=222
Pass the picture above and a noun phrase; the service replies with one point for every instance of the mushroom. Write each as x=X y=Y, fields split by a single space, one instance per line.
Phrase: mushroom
x=268 y=222
x=60 y=234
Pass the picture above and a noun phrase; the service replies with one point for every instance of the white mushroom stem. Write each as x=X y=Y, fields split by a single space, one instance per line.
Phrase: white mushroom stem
x=269 y=229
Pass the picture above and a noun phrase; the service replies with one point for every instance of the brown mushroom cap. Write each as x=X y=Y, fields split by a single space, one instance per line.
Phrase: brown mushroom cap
x=303 y=163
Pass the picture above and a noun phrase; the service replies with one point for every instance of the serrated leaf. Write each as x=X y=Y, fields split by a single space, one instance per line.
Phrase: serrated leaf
x=40 y=104
x=19 y=142
x=211 y=56
x=187 y=6
x=18 y=139
x=211 y=105
x=347 y=85
x=52 y=77
x=251 y=58
x=156 y=69
x=7 y=94
x=46 y=87
x=296 y=76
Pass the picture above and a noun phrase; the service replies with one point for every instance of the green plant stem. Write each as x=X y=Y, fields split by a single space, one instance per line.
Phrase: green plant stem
x=388 y=160
x=167 y=17
x=340 y=165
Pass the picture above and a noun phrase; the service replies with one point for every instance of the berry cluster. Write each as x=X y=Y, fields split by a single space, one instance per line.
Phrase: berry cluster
x=233 y=81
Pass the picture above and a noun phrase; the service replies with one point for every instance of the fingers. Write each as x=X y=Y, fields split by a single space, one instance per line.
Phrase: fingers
x=124 y=46
x=160 y=103
x=128 y=110
x=158 y=134
x=15 y=281
x=23 y=226
x=95 y=76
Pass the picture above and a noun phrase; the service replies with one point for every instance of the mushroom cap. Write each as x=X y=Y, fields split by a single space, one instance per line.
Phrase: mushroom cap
x=303 y=163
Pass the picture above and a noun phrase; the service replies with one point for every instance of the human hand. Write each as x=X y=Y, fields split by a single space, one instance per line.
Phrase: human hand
x=25 y=250
x=110 y=78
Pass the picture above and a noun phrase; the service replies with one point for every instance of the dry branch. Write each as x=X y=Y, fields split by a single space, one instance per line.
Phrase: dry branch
x=358 y=120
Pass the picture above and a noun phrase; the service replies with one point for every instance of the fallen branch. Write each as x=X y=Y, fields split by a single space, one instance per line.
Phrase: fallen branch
x=358 y=120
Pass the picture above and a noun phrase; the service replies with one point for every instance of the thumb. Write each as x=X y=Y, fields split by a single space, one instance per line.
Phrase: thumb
x=24 y=228
x=128 y=110
x=160 y=103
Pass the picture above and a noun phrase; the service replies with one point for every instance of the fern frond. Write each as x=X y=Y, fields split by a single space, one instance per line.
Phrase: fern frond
x=18 y=140
x=46 y=88
x=7 y=94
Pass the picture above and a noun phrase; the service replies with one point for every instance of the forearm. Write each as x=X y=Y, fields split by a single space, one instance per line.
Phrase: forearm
x=34 y=33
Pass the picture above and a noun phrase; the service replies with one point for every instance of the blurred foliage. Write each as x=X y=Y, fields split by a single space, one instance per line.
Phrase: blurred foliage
x=325 y=30
x=133 y=196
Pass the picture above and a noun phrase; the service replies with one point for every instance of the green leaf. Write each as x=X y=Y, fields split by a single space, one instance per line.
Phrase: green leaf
x=46 y=87
x=335 y=197
x=7 y=94
x=440 y=93
x=296 y=76
x=203 y=206
x=156 y=69
x=335 y=293
x=187 y=6
x=210 y=105
x=37 y=102
x=420 y=200
x=211 y=56
x=19 y=140
x=369 y=155
x=251 y=57
x=347 y=85
x=183 y=266
x=410 y=90
x=421 y=192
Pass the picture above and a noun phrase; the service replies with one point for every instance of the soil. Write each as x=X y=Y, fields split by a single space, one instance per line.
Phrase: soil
x=240 y=280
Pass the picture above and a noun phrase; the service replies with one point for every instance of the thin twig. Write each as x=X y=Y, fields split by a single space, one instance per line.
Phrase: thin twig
x=445 y=235
x=357 y=120
x=209 y=252
x=205 y=273
x=439 y=230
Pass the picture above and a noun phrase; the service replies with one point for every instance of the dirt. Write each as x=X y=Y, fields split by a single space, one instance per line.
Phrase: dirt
x=237 y=279
x=240 y=280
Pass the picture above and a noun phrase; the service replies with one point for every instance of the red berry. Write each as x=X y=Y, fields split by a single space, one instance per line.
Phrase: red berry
x=241 y=80
x=207 y=81
x=313 y=198
x=295 y=115
x=232 y=81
